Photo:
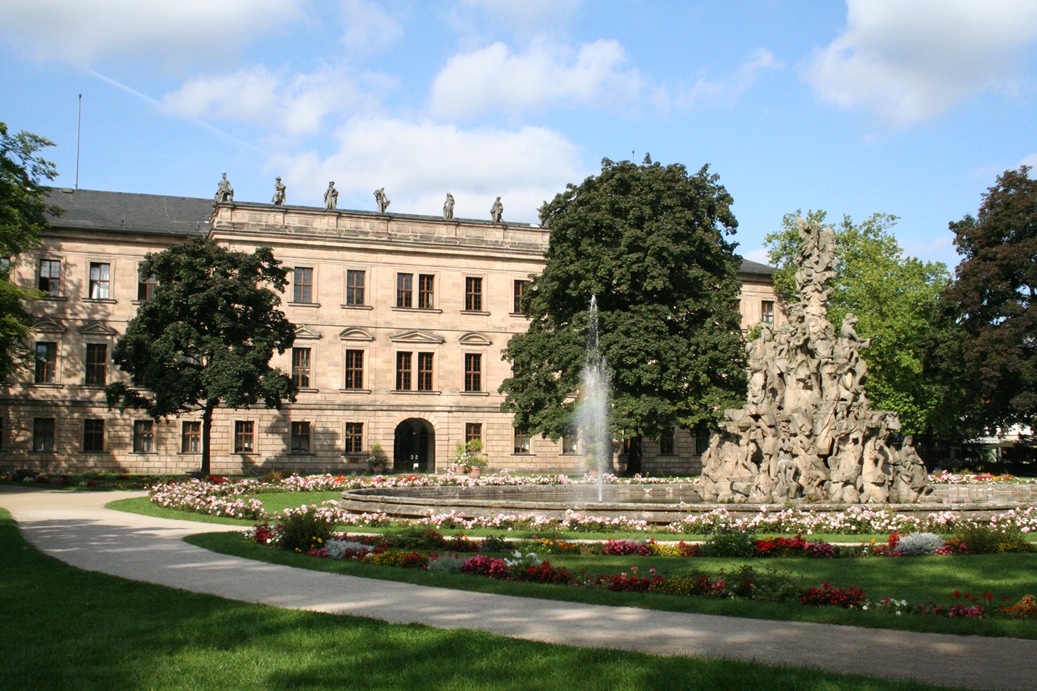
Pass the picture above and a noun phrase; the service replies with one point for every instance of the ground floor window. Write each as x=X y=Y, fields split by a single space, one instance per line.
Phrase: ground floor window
x=570 y=442
x=93 y=435
x=191 y=437
x=521 y=441
x=354 y=440
x=43 y=434
x=244 y=436
x=300 y=442
x=472 y=431
x=143 y=436
x=666 y=443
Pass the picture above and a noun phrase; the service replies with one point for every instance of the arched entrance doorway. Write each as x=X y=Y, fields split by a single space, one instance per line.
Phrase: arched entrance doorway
x=414 y=447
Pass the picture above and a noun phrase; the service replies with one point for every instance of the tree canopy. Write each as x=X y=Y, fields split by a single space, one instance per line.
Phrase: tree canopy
x=23 y=215
x=650 y=242
x=992 y=299
x=206 y=336
x=892 y=295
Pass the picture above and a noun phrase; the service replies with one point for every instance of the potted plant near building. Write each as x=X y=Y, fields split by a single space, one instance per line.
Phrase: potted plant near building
x=467 y=457
x=376 y=459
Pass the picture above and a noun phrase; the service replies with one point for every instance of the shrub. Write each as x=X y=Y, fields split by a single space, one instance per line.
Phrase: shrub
x=490 y=567
x=691 y=584
x=730 y=544
x=415 y=538
x=543 y=572
x=494 y=543
x=625 y=547
x=346 y=549
x=825 y=594
x=768 y=586
x=392 y=557
x=447 y=563
x=681 y=549
x=914 y=544
x=1026 y=608
x=982 y=539
x=304 y=529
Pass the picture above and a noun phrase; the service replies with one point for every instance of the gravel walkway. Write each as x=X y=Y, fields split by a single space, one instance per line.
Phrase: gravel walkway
x=76 y=528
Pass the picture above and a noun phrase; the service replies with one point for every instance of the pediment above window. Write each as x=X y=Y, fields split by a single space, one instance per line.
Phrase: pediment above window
x=473 y=338
x=418 y=336
x=355 y=333
x=97 y=328
x=306 y=333
x=49 y=326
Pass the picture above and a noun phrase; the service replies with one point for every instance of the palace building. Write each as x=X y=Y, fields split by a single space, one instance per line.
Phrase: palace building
x=401 y=320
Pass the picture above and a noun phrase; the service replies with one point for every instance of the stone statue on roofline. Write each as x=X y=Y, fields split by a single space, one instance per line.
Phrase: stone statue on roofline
x=381 y=200
x=331 y=197
x=448 y=207
x=497 y=211
x=224 y=192
x=807 y=418
x=279 y=193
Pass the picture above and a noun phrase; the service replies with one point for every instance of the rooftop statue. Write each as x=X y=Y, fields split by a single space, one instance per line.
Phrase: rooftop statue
x=380 y=199
x=448 y=207
x=807 y=432
x=331 y=197
x=279 y=193
x=224 y=193
x=497 y=211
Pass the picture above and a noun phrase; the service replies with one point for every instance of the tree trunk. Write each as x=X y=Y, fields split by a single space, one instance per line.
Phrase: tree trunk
x=206 y=433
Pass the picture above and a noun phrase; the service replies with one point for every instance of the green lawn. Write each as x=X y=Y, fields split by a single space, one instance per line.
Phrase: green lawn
x=63 y=628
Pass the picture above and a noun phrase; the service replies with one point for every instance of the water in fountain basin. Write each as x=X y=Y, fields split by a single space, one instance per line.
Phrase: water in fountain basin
x=592 y=411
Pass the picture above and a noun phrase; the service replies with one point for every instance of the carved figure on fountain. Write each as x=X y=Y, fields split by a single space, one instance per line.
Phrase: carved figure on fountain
x=806 y=431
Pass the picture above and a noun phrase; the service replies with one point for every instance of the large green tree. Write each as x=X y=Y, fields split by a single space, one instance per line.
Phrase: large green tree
x=893 y=295
x=206 y=337
x=23 y=215
x=650 y=242
x=992 y=299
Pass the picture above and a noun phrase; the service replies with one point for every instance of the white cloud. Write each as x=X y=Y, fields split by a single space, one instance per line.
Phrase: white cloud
x=176 y=33
x=369 y=27
x=293 y=104
x=419 y=162
x=1030 y=160
x=908 y=62
x=546 y=74
x=743 y=79
x=520 y=18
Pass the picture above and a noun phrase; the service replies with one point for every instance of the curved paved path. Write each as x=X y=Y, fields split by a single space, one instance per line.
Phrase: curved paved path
x=76 y=528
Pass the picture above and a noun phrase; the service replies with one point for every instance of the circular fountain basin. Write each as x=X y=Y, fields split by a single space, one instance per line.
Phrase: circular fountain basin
x=657 y=504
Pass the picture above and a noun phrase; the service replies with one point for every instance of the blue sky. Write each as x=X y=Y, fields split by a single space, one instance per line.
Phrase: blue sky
x=909 y=108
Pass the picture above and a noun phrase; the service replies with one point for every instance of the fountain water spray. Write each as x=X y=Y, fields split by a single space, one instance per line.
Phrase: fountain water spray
x=592 y=410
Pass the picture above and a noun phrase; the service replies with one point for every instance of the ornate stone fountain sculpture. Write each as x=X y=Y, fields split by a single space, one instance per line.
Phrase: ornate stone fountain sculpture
x=807 y=431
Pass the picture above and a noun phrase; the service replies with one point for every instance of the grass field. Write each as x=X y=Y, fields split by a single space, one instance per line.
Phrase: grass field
x=63 y=628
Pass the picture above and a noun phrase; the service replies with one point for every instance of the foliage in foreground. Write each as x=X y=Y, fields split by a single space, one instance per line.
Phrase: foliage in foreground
x=187 y=640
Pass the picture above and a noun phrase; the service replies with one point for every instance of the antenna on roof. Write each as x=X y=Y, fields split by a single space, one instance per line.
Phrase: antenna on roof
x=79 y=128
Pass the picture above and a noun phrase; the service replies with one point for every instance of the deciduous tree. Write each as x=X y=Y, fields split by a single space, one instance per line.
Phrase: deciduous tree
x=992 y=298
x=650 y=242
x=23 y=215
x=206 y=337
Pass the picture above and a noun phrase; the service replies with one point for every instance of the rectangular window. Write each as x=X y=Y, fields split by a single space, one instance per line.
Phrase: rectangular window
x=300 y=437
x=425 y=372
x=96 y=364
x=472 y=431
x=244 y=436
x=472 y=372
x=303 y=285
x=354 y=441
x=191 y=437
x=569 y=441
x=355 y=287
x=767 y=311
x=701 y=441
x=521 y=441
x=301 y=367
x=354 y=369
x=403 y=371
x=143 y=436
x=93 y=435
x=146 y=287
x=43 y=434
x=50 y=276
x=404 y=290
x=100 y=279
x=520 y=291
x=473 y=294
x=426 y=294
x=46 y=362
x=666 y=443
